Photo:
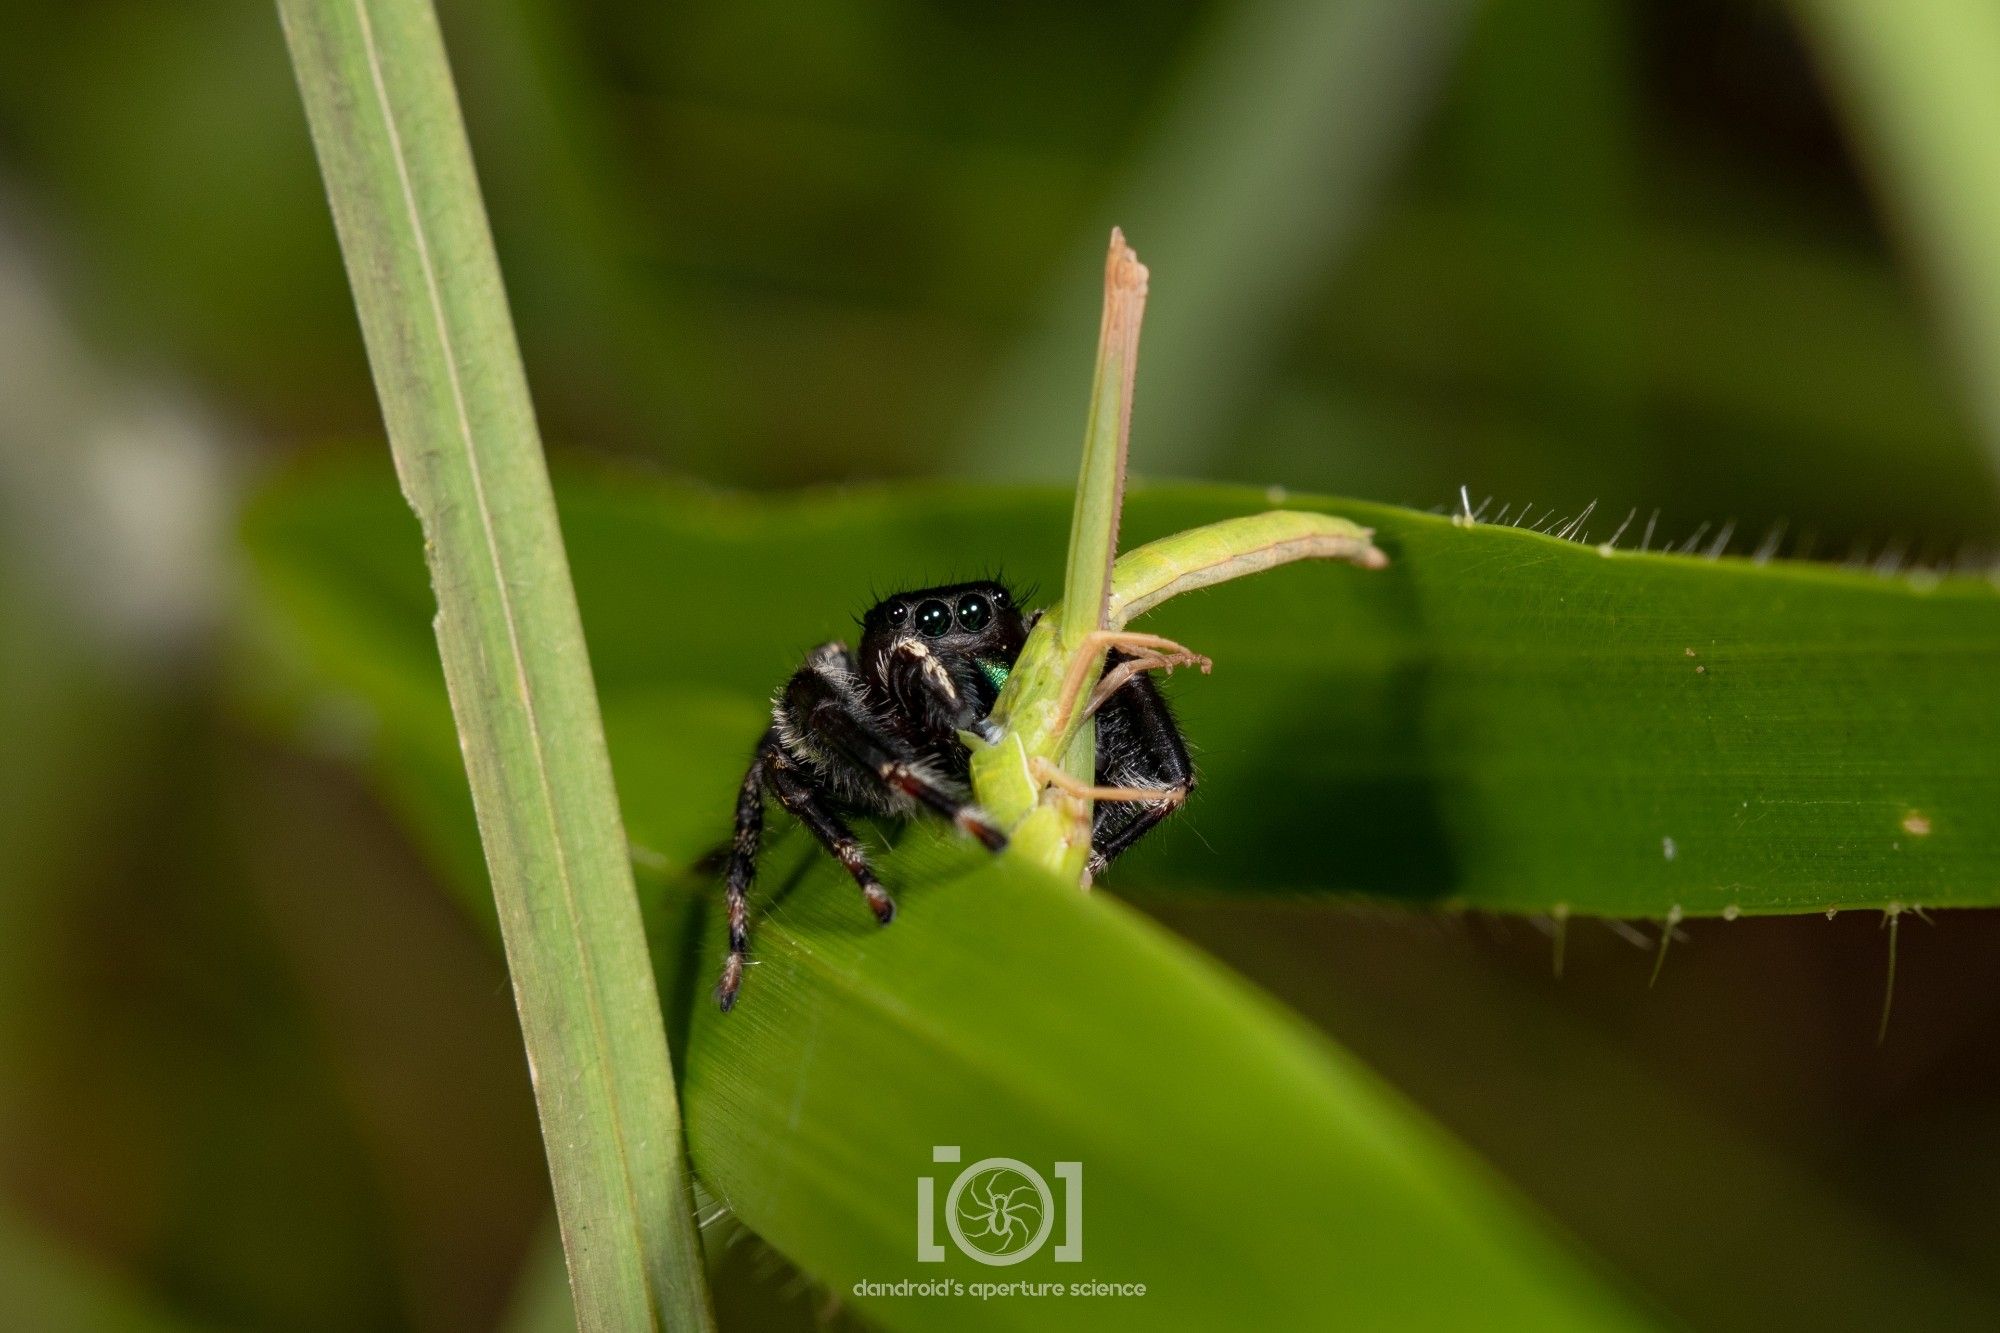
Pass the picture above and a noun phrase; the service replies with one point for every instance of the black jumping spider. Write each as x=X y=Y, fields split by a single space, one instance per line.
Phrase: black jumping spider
x=878 y=734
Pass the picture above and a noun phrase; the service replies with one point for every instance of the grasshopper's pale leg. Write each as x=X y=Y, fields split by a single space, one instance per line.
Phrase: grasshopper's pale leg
x=1150 y=652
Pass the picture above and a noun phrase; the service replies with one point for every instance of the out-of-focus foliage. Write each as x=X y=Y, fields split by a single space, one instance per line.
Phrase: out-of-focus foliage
x=47 y=1288
x=1917 y=83
x=1625 y=258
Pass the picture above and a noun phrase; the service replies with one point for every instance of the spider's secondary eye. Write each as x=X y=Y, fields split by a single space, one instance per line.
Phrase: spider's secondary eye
x=1000 y=598
x=897 y=613
x=933 y=619
x=974 y=611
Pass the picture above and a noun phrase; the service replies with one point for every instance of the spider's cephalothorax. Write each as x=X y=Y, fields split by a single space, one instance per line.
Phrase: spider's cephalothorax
x=878 y=733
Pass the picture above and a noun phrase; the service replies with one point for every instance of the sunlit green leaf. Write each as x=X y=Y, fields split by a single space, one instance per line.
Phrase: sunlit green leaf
x=1498 y=720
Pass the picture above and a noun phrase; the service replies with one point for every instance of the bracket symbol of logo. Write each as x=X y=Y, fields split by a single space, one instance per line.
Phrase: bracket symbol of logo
x=1000 y=1211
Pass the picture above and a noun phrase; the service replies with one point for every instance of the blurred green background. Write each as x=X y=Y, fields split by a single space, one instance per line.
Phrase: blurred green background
x=257 y=1069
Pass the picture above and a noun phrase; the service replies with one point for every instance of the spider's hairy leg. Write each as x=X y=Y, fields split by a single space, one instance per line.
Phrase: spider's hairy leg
x=825 y=721
x=741 y=868
x=1138 y=745
x=796 y=794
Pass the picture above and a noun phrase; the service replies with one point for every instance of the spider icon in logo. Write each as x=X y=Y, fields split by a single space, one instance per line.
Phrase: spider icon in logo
x=1001 y=1209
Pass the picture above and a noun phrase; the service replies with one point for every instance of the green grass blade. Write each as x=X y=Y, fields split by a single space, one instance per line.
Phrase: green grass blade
x=1920 y=81
x=406 y=204
x=1249 y=1174
x=1498 y=720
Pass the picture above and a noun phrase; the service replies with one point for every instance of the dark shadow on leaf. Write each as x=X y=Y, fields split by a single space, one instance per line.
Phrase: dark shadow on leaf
x=1330 y=773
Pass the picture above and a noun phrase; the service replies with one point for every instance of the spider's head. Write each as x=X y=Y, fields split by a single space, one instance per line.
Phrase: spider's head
x=969 y=628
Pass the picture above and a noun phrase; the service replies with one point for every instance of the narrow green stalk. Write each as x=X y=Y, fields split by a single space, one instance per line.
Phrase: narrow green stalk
x=1041 y=710
x=406 y=204
x=1058 y=833
x=1100 y=484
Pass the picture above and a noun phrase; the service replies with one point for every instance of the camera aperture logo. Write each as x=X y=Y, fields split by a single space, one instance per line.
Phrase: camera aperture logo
x=1000 y=1211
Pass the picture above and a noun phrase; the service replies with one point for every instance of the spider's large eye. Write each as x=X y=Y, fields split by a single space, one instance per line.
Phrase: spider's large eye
x=933 y=618
x=974 y=611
